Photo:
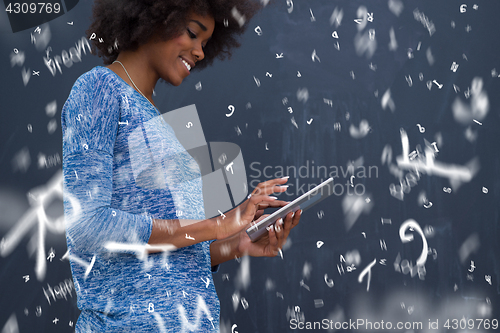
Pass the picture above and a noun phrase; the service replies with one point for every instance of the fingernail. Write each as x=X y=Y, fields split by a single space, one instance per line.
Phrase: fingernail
x=273 y=197
x=301 y=212
x=278 y=229
x=284 y=186
x=286 y=177
x=280 y=222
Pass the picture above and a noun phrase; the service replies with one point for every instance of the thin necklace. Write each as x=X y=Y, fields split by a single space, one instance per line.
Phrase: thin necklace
x=139 y=90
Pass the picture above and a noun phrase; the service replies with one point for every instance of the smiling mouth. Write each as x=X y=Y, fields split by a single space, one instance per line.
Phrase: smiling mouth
x=186 y=64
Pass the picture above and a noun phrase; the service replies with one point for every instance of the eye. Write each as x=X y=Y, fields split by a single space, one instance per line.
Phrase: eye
x=191 y=34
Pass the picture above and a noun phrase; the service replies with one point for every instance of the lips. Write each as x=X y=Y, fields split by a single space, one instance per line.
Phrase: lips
x=186 y=63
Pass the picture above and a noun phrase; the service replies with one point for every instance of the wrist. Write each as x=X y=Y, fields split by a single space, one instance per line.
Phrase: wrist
x=236 y=245
x=225 y=250
x=214 y=227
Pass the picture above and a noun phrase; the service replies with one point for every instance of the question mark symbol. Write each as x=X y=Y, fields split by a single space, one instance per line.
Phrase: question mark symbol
x=231 y=108
x=412 y=225
x=189 y=125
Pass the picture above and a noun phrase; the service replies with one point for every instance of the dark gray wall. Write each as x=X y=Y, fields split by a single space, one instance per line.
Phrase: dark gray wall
x=353 y=103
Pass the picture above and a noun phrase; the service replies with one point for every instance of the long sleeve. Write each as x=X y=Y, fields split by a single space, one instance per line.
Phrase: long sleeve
x=90 y=120
x=123 y=166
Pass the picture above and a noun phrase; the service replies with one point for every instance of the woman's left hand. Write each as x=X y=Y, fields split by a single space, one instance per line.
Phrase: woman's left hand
x=269 y=244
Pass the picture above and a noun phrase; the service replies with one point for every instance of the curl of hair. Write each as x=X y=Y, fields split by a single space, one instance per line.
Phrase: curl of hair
x=120 y=25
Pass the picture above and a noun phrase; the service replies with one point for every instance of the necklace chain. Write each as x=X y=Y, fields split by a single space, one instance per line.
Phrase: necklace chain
x=139 y=90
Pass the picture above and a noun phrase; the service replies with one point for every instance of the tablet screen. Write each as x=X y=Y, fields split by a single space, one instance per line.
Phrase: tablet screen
x=303 y=202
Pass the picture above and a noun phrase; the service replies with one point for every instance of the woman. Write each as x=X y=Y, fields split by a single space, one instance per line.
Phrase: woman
x=127 y=178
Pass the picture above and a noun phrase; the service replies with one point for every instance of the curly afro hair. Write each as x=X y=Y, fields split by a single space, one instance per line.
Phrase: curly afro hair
x=120 y=25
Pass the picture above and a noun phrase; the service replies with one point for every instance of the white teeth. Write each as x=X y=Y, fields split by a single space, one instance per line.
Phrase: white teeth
x=186 y=64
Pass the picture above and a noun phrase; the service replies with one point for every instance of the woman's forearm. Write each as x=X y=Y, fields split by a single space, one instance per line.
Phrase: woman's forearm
x=224 y=250
x=182 y=233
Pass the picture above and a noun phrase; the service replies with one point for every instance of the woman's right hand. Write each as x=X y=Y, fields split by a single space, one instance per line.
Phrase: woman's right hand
x=251 y=209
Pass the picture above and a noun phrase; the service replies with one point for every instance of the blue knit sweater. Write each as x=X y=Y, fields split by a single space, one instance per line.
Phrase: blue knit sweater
x=123 y=166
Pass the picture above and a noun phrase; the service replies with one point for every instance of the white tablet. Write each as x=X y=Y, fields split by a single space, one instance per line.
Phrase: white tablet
x=303 y=202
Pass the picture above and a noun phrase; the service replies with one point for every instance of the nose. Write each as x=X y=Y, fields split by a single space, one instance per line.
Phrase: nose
x=198 y=52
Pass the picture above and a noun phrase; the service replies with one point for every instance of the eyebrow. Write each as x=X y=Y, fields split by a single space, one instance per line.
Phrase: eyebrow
x=200 y=24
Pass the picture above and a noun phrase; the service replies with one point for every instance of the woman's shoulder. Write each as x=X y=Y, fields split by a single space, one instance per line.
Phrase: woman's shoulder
x=98 y=79
x=99 y=84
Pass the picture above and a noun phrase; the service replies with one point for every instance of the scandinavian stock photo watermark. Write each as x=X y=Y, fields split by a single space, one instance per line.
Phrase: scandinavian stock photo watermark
x=405 y=326
x=308 y=175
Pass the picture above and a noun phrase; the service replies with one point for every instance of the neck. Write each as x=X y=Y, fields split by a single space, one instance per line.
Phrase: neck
x=144 y=79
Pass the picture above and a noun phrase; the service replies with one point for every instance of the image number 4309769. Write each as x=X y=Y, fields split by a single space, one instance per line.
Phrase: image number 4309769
x=25 y=15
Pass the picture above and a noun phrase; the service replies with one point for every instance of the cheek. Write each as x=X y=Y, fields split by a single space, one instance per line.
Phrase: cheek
x=182 y=42
x=172 y=47
x=176 y=40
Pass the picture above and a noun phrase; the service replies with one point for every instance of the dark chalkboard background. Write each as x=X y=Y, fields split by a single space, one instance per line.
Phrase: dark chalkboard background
x=301 y=102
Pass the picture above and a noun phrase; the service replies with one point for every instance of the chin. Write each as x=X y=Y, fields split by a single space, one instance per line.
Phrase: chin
x=174 y=80
x=177 y=82
x=173 y=83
